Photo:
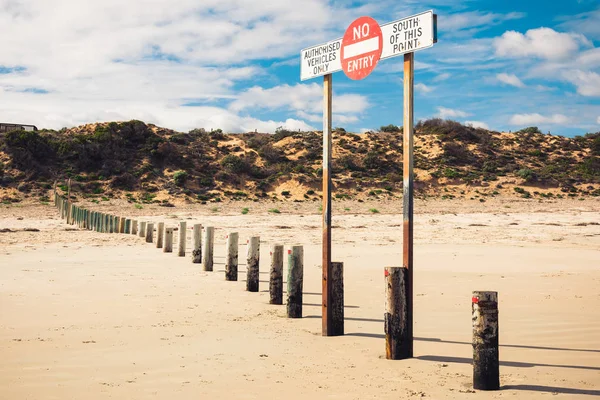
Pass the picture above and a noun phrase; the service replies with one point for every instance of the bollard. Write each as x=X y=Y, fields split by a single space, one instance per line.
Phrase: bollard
x=207 y=253
x=182 y=239
x=134 y=227
x=295 y=281
x=106 y=224
x=231 y=257
x=486 y=364
x=336 y=300
x=127 y=226
x=197 y=249
x=149 y=232
x=142 y=232
x=159 y=235
x=168 y=248
x=276 y=278
x=398 y=344
x=121 y=224
x=252 y=264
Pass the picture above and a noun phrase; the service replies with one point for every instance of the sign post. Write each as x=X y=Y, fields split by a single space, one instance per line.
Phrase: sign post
x=364 y=44
x=327 y=316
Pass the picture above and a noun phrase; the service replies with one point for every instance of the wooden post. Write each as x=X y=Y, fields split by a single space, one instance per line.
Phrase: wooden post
x=207 y=253
x=326 y=256
x=149 y=232
x=159 y=235
x=231 y=258
x=142 y=232
x=127 y=226
x=122 y=225
x=407 y=197
x=276 y=276
x=486 y=364
x=69 y=215
x=134 y=227
x=252 y=264
x=182 y=239
x=398 y=345
x=168 y=240
x=336 y=301
x=197 y=249
x=295 y=281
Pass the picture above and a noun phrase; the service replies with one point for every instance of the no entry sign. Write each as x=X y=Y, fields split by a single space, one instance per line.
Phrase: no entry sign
x=361 y=48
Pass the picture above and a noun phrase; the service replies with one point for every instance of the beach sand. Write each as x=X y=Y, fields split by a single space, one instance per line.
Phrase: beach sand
x=86 y=315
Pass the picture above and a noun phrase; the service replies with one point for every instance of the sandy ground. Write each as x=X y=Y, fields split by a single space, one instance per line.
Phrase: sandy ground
x=94 y=316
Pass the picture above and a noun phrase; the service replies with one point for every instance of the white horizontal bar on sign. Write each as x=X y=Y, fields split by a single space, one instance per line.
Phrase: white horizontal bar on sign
x=362 y=47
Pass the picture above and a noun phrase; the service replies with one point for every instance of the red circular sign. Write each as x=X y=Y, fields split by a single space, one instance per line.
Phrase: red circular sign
x=361 y=48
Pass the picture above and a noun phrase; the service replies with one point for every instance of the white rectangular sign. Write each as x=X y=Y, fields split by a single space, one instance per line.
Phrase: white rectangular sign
x=406 y=35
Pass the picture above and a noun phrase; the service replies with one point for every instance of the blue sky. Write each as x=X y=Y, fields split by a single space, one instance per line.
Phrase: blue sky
x=235 y=64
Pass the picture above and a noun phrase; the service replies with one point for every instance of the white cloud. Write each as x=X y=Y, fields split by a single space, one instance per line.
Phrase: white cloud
x=472 y=19
x=510 y=79
x=146 y=58
x=423 y=88
x=587 y=23
x=541 y=42
x=478 y=124
x=598 y=120
x=532 y=119
x=441 y=77
x=587 y=82
x=306 y=100
x=444 y=113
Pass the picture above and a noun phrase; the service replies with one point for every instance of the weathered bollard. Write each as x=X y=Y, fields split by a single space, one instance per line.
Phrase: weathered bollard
x=149 y=232
x=142 y=232
x=231 y=257
x=128 y=226
x=159 y=235
x=336 y=299
x=207 y=253
x=197 y=248
x=106 y=224
x=276 y=276
x=252 y=264
x=121 y=224
x=486 y=363
x=134 y=227
x=168 y=248
x=398 y=344
x=182 y=239
x=295 y=281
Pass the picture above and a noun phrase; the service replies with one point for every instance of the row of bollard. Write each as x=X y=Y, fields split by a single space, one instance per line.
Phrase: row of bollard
x=398 y=343
x=203 y=251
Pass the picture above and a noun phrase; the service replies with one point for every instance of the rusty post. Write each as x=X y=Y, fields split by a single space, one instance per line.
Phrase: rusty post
x=326 y=260
x=486 y=364
x=295 y=281
x=336 y=300
x=168 y=247
x=276 y=278
x=407 y=197
x=398 y=345
x=231 y=257
x=252 y=264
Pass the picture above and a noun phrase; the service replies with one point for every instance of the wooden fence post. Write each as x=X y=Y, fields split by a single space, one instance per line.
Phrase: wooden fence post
x=486 y=363
x=121 y=224
x=207 y=253
x=142 y=232
x=252 y=264
x=336 y=301
x=159 y=235
x=398 y=344
x=197 y=249
x=182 y=239
x=149 y=232
x=127 y=226
x=295 y=281
x=231 y=257
x=168 y=248
x=276 y=276
x=134 y=227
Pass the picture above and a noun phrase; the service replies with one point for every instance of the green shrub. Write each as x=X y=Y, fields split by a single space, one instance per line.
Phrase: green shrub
x=245 y=210
x=390 y=128
x=374 y=210
x=274 y=211
x=180 y=177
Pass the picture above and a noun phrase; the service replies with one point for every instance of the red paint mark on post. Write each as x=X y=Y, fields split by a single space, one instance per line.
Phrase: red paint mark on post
x=386 y=273
x=475 y=300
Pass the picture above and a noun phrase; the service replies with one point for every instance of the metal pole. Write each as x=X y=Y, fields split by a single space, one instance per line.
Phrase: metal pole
x=326 y=263
x=409 y=68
